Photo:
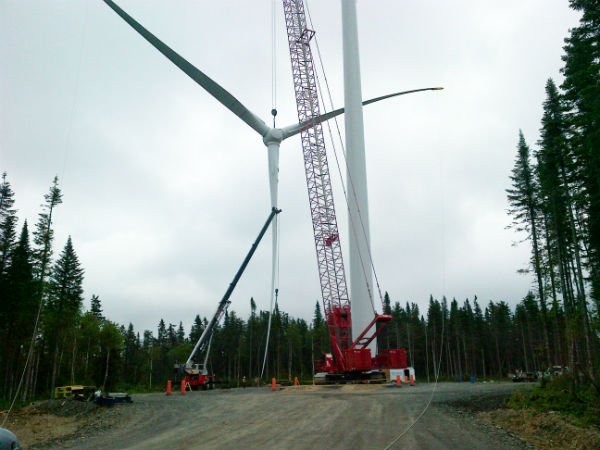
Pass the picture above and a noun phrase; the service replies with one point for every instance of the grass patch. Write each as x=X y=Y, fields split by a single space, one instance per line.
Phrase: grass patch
x=580 y=402
x=546 y=431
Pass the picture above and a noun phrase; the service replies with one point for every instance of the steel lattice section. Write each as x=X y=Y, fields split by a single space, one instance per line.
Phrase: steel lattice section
x=320 y=194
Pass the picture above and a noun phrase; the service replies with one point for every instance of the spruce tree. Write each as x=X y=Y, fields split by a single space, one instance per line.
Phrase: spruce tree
x=582 y=93
x=558 y=182
x=161 y=337
x=197 y=329
x=44 y=235
x=180 y=334
x=96 y=307
x=320 y=332
x=63 y=308
x=17 y=310
x=8 y=223
x=524 y=203
x=66 y=285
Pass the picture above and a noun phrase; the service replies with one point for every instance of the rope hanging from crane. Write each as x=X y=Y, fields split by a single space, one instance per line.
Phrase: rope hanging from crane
x=274 y=292
x=275 y=251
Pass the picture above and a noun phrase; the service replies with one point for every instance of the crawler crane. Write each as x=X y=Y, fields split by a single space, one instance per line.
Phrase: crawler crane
x=349 y=359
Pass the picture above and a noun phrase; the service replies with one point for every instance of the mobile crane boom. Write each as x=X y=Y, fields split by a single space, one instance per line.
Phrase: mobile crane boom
x=192 y=372
x=205 y=337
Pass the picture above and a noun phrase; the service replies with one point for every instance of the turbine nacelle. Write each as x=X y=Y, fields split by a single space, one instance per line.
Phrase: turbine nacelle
x=274 y=136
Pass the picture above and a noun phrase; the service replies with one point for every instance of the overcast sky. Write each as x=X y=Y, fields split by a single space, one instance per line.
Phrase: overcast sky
x=165 y=190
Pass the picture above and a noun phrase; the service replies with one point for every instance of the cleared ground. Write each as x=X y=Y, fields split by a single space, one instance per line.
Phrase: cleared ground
x=306 y=417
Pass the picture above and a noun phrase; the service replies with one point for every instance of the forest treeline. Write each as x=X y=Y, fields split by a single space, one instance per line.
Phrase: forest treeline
x=555 y=201
x=48 y=338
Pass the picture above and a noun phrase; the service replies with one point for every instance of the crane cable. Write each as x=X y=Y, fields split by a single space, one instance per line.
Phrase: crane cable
x=275 y=236
x=274 y=293
x=344 y=188
x=439 y=364
x=437 y=369
x=433 y=391
x=273 y=63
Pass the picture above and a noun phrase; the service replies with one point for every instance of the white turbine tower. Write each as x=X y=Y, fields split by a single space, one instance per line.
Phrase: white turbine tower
x=271 y=137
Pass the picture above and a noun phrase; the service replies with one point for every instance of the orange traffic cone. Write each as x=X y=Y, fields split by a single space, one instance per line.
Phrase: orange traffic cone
x=182 y=387
x=398 y=381
x=296 y=383
x=412 y=380
x=273 y=384
x=168 y=387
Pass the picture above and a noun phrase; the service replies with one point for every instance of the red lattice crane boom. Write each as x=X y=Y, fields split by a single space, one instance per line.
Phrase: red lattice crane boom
x=348 y=356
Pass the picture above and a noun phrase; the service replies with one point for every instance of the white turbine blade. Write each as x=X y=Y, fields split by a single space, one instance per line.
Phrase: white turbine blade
x=292 y=130
x=212 y=87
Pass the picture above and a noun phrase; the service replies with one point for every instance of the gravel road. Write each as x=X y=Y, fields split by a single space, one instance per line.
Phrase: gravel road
x=305 y=417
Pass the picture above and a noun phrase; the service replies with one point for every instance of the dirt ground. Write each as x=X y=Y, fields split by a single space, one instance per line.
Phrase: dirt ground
x=446 y=416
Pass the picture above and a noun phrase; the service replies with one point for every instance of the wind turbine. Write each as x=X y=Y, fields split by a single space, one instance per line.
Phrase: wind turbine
x=272 y=137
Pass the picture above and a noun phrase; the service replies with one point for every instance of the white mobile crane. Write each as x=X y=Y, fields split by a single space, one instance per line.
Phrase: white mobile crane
x=193 y=373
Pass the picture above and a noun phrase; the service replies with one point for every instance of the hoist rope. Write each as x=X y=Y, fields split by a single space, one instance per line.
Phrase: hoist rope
x=433 y=390
x=274 y=289
x=273 y=60
x=275 y=226
x=344 y=188
x=443 y=311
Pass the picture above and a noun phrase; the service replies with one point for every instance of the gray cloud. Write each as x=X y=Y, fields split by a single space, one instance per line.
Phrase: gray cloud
x=164 y=190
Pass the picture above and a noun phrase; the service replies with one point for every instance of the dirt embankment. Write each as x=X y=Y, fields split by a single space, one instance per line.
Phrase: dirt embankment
x=543 y=430
x=46 y=422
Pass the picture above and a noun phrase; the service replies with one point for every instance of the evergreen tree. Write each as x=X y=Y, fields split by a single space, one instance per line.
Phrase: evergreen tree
x=180 y=334
x=383 y=339
x=251 y=331
x=66 y=286
x=320 y=332
x=171 y=336
x=17 y=311
x=556 y=174
x=523 y=198
x=197 y=329
x=387 y=308
x=44 y=234
x=582 y=93
x=8 y=223
x=96 y=307
x=161 y=337
x=63 y=309
x=111 y=343
x=131 y=355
